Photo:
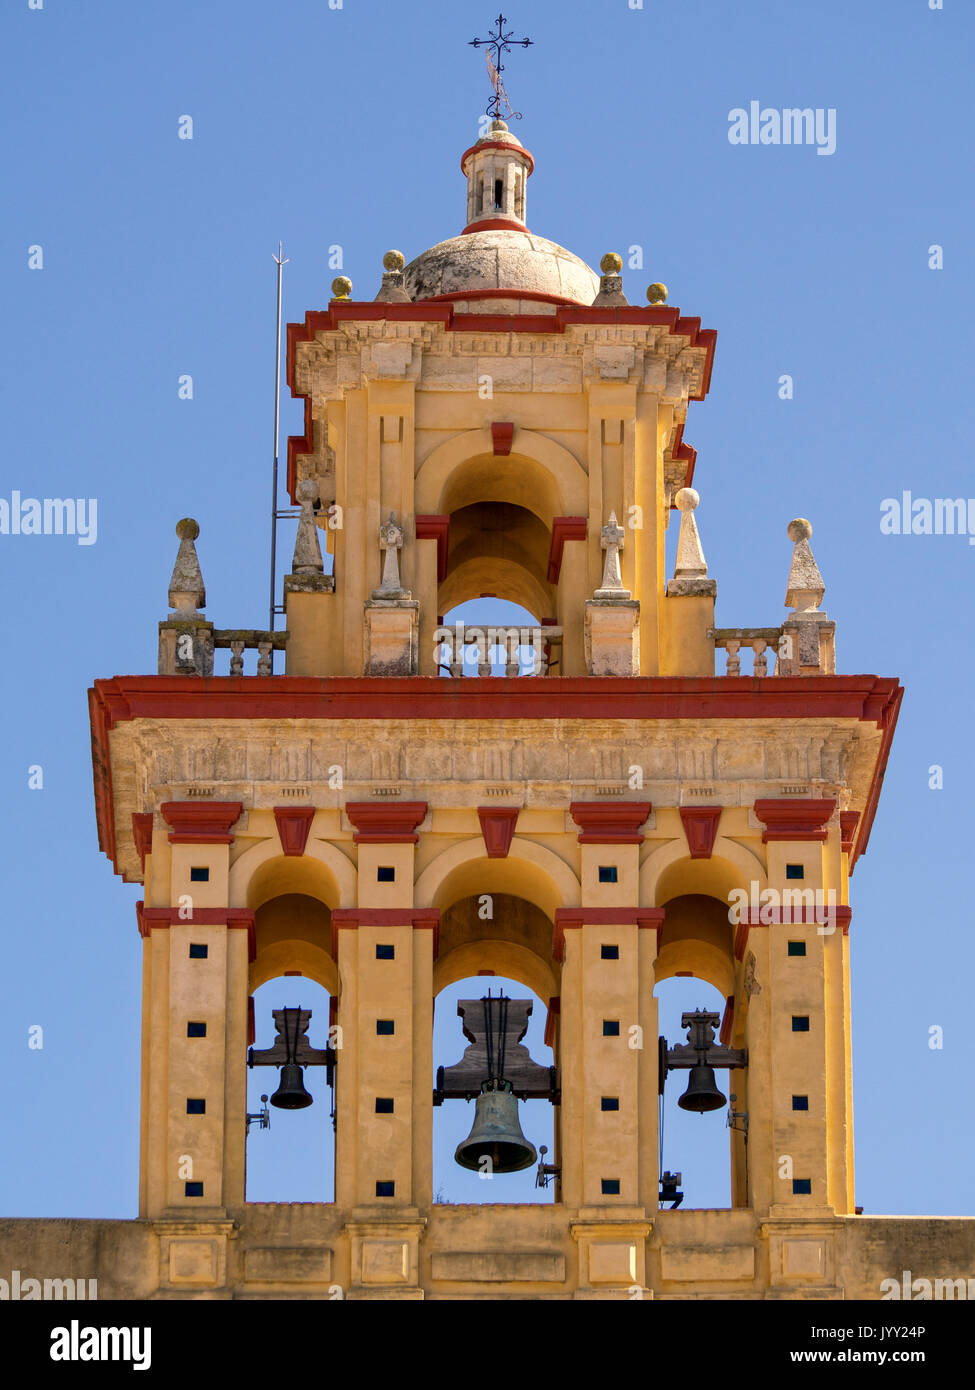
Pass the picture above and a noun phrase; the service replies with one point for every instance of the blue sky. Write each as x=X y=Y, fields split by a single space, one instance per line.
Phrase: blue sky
x=344 y=127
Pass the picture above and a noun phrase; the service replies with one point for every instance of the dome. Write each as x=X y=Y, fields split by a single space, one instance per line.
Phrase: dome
x=501 y=259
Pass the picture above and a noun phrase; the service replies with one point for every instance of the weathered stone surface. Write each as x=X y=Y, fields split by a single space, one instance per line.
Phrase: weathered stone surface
x=501 y=260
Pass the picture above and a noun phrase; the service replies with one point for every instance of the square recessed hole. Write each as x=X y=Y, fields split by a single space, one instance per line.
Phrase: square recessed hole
x=795 y=871
x=609 y=1103
x=800 y=1023
x=611 y=1187
x=800 y=1102
x=198 y=951
x=385 y=952
x=200 y=875
x=802 y=1187
x=611 y=1028
x=797 y=948
x=196 y=1030
x=194 y=1189
x=195 y=1106
x=385 y=1026
x=385 y=1189
x=608 y=873
x=384 y=1105
x=609 y=953
x=386 y=873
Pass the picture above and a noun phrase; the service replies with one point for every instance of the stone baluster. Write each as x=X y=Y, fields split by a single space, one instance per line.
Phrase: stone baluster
x=760 y=647
x=733 y=646
x=237 y=657
x=264 y=649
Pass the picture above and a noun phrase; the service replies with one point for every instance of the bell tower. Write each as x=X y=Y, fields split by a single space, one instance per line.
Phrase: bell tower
x=638 y=792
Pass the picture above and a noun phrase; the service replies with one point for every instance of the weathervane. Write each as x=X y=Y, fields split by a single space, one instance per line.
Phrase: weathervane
x=499 y=43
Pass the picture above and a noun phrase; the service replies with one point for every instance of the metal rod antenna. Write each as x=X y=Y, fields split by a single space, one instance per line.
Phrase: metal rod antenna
x=280 y=261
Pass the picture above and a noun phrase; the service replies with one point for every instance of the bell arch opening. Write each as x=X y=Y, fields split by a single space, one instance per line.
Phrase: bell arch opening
x=695 y=971
x=499 y=943
x=498 y=549
x=293 y=1158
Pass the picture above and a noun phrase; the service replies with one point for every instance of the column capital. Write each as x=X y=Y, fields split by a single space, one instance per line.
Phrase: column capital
x=610 y=822
x=419 y=918
x=571 y=918
x=201 y=822
x=799 y=818
x=386 y=823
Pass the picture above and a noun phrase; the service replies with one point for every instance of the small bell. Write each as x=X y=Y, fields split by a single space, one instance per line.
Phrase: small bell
x=291 y=1093
x=496 y=1134
x=702 y=1092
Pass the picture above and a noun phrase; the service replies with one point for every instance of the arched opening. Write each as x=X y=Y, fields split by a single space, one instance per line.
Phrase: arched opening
x=695 y=971
x=294 y=1158
x=497 y=940
x=498 y=548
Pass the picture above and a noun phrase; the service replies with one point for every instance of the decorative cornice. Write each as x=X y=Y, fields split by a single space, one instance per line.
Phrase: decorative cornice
x=700 y=828
x=564 y=528
x=498 y=828
x=435 y=528
x=389 y=823
x=294 y=823
x=201 y=822
x=237 y=918
x=572 y=918
x=819 y=916
x=610 y=822
x=799 y=818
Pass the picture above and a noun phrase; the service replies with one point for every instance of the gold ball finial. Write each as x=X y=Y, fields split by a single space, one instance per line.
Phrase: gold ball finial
x=611 y=263
x=341 y=287
x=394 y=260
x=657 y=293
x=187 y=529
x=800 y=529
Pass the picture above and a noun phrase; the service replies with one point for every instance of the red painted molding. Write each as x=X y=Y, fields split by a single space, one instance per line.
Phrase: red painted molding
x=498 y=828
x=701 y=829
x=112 y=701
x=440 y=310
x=564 y=528
x=240 y=918
x=494 y=224
x=727 y=1021
x=497 y=145
x=554 y=1010
x=436 y=528
x=610 y=822
x=419 y=918
x=294 y=823
x=799 y=818
x=572 y=918
x=251 y=1022
x=502 y=433
x=684 y=454
x=201 y=822
x=790 y=917
x=385 y=823
x=142 y=834
x=848 y=829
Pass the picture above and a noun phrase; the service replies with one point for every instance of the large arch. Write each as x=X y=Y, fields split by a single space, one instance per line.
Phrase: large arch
x=529 y=871
x=263 y=872
x=292 y=934
x=539 y=474
x=670 y=871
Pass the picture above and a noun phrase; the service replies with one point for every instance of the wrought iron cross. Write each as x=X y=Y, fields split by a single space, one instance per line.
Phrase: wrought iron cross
x=499 y=43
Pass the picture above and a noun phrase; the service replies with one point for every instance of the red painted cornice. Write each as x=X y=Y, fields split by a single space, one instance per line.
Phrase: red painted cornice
x=564 y=528
x=385 y=823
x=239 y=918
x=848 y=829
x=494 y=224
x=496 y=145
x=610 y=822
x=871 y=699
x=441 y=310
x=794 y=818
x=294 y=823
x=201 y=822
x=572 y=918
x=700 y=828
x=142 y=834
x=819 y=915
x=419 y=918
x=498 y=828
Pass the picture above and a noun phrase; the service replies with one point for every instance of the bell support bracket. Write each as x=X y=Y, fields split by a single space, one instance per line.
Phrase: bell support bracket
x=495 y=1036
x=292 y=1024
x=700 y=1047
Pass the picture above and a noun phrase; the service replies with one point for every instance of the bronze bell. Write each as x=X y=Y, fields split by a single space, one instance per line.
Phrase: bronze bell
x=291 y=1093
x=702 y=1091
x=496 y=1133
